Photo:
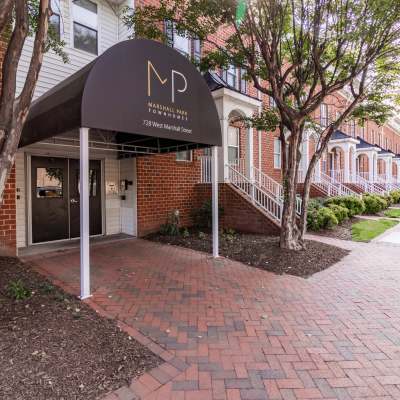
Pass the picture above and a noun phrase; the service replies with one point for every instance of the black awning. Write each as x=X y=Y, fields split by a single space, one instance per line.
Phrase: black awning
x=139 y=89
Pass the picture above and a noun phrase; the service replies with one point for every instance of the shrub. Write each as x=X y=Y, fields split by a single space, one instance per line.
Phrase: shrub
x=171 y=227
x=374 y=203
x=202 y=217
x=354 y=204
x=321 y=218
x=388 y=199
x=395 y=195
x=341 y=213
x=18 y=291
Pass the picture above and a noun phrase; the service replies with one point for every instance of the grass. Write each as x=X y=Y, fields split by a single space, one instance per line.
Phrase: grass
x=366 y=230
x=393 y=213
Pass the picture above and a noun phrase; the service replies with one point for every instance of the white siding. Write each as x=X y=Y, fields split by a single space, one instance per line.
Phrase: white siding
x=53 y=69
x=113 y=202
x=21 y=199
x=128 y=206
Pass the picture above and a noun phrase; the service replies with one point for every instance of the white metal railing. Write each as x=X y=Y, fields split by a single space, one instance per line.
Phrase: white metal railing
x=205 y=169
x=331 y=187
x=273 y=187
x=381 y=180
x=367 y=186
x=258 y=196
x=337 y=176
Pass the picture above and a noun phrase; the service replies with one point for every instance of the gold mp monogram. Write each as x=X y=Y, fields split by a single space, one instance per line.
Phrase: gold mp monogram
x=151 y=71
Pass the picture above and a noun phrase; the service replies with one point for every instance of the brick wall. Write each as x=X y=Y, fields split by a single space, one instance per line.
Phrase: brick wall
x=7 y=208
x=8 y=217
x=238 y=213
x=164 y=185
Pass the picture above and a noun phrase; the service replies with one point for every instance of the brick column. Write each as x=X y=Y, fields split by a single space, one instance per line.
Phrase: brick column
x=8 y=239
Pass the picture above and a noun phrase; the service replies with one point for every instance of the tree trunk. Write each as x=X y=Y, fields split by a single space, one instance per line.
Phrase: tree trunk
x=289 y=238
x=306 y=197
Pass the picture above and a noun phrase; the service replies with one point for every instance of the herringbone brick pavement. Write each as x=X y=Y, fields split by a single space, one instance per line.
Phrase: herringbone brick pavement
x=231 y=332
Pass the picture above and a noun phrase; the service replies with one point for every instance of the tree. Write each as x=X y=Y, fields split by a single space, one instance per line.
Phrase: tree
x=299 y=52
x=18 y=20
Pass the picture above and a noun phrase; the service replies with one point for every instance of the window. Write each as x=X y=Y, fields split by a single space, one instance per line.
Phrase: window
x=352 y=124
x=229 y=76
x=233 y=145
x=54 y=20
x=277 y=153
x=362 y=132
x=187 y=46
x=272 y=102
x=184 y=155
x=49 y=183
x=85 y=25
x=324 y=115
x=243 y=82
x=92 y=182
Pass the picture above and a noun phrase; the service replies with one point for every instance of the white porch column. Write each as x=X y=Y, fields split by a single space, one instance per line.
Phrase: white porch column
x=388 y=170
x=346 y=167
x=223 y=152
x=371 y=168
x=249 y=154
x=353 y=165
x=214 y=184
x=84 y=212
x=317 y=171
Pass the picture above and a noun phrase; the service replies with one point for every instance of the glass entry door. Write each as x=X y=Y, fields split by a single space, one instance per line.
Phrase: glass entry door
x=55 y=198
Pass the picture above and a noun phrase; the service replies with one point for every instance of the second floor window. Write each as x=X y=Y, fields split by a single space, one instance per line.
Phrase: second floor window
x=233 y=145
x=277 y=153
x=229 y=76
x=352 y=124
x=54 y=20
x=187 y=46
x=324 y=115
x=85 y=25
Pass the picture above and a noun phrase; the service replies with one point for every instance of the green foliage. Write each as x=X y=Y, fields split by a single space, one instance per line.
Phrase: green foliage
x=374 y=203
x=320 y=217
x=341 y=213
x=355 y=205
x=229 y=234
x=367 y=230
x=171 y=227
x=202 y=235
x=185 y=233
x=18 y=291
x=202 y=216
x=393 y=213
x=395 y=194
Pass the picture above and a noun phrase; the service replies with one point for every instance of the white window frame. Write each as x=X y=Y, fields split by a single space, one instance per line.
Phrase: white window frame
x=98 y=29
x=232 y=72
x=56 y=7
x=182 y=38
x=277 y=153
x=237 y=131
x=324 y=115
x=189 y=152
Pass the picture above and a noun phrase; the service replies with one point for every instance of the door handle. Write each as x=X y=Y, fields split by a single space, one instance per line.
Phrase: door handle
x=73 y=201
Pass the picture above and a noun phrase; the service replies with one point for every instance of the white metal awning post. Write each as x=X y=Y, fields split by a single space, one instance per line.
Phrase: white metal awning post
x=214 y=184
x=84 y=212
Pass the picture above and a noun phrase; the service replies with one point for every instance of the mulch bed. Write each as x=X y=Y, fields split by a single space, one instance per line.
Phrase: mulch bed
x=342 y=231
x=262 y=251
x=52 y=346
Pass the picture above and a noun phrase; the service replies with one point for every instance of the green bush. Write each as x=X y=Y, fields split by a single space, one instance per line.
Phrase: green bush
x=388 y=199
x=341 y=213
x=319 y=217
x=374 y=203
x=202 y=217
x=355 y=205
x=395 y=195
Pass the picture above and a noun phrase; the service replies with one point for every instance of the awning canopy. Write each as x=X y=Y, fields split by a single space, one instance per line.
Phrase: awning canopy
x=141 y=90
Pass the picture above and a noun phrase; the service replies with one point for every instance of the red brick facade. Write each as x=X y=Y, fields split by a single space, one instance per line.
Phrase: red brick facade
x=7 y=207
x=164 y=185
x=237 y=213
x=8 y=217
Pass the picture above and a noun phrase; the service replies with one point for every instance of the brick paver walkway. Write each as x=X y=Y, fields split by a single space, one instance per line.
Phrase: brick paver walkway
x=228 y=331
